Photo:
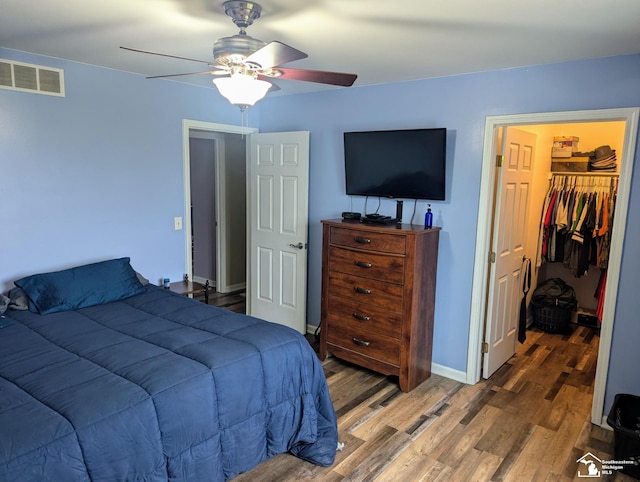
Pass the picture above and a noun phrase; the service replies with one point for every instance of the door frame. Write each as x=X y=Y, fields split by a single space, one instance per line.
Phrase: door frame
x=221 y=224
x=484 y=231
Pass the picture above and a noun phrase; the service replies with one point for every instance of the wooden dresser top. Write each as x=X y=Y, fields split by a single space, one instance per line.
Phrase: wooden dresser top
x=381 y=228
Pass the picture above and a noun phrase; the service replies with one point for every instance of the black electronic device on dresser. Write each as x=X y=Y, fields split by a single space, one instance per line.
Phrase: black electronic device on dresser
x=351 y=216
x=378 y=219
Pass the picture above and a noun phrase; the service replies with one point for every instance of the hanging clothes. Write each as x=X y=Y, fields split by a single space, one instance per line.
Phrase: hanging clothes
x=545 y=207
x=575 y=226
x=576 y=222
x=599 y=294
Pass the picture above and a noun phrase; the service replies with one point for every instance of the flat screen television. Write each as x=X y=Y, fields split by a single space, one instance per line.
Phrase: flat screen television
x=408 y=163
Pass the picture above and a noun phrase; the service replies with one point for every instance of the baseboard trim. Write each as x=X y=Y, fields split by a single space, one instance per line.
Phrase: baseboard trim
x=604 y=424
x=441 y=370
x=201 y=280
x=236 y=287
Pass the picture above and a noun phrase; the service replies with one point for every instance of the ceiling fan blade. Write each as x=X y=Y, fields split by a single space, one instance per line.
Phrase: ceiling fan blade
x=212 y=72
x=319 y=76
x=165 y=55
x=273 y=54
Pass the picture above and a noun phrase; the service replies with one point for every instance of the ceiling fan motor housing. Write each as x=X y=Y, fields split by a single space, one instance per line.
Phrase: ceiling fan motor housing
x=231 y=50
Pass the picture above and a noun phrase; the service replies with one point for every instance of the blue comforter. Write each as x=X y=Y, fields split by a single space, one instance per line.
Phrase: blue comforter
x=156 y=387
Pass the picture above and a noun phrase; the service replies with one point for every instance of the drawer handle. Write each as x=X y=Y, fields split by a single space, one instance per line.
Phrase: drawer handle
x=363 y=291
x=361 y=240
x=363 y=264
x=360 y=317
x=360 y=342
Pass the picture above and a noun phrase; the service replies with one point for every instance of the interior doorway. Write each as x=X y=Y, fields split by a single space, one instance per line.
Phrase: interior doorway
x=494 y=126
x=226 y=221
x=278 y=274
x=203 y=161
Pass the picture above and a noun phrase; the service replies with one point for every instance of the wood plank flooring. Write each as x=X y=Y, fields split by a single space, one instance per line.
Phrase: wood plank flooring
x=529 y=422
x=234 y=301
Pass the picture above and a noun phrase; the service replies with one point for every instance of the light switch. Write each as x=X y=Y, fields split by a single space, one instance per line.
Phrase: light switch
x=177 y=221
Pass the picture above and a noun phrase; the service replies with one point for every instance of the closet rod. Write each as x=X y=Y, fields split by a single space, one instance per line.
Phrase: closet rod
x=588 y=173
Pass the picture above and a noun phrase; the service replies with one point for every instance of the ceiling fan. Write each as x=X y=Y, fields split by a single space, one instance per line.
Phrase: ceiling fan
x=246 y=65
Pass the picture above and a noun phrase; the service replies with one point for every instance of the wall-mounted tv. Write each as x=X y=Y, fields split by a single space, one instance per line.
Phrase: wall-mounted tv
x=408 y=163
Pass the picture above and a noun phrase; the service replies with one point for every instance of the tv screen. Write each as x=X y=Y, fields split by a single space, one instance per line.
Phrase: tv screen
x=396 y=163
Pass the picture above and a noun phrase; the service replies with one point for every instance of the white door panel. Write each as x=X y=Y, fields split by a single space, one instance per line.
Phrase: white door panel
x=263 y=276
x=510 y=230
x=288 y=277
x=278 y=187
x=265 y=203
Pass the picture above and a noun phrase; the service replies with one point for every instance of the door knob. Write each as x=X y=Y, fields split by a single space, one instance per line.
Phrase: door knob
x=299 y=245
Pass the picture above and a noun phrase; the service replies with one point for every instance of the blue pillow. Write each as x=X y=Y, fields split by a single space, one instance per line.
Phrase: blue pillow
x=88 y=285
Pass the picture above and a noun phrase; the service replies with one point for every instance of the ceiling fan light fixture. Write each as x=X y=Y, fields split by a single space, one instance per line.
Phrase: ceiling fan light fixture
x=242 y=90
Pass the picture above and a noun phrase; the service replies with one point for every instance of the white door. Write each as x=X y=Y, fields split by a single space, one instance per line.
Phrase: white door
x=277 y=227
x=508 y=246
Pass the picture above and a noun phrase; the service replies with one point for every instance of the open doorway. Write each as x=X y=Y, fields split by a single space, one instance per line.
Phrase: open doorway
x=203 y=160
x=215 y=204
x=494 y=126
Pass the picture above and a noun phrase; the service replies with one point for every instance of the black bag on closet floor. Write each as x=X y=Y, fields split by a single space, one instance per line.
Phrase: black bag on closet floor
x=553 y=301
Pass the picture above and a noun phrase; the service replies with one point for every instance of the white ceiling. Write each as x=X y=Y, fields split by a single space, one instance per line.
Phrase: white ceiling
x=380 y=40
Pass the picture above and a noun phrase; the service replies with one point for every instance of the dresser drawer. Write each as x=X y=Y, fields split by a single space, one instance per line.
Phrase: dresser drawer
x=367 y=291
x=357 y=238
x=365 y=316
x=371 y=265
x=367 y=343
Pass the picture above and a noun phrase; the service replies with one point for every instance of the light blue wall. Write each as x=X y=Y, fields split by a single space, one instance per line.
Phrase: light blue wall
x=461 y=104
x=98 y=173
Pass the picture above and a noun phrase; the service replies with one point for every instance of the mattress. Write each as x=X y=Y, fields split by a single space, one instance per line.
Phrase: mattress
x=156 y=387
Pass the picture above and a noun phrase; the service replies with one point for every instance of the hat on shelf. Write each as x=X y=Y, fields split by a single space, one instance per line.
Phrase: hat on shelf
x=603 y=159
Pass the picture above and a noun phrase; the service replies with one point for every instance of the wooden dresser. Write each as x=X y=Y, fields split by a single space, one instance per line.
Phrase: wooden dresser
x=378 y=295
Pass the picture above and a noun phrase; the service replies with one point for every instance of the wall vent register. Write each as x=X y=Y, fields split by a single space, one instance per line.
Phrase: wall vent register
x=31 y=78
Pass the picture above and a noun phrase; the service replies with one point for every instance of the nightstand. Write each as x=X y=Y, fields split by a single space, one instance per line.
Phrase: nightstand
x=190 y=288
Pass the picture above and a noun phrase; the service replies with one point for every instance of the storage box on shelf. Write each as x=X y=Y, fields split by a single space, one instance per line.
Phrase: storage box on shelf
x=564 y=146
x=570 y=164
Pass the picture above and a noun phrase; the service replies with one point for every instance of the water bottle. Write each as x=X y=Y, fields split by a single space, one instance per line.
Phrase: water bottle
x=428 y=218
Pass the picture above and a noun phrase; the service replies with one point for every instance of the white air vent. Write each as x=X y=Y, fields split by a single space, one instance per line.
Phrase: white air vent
x=31 y=78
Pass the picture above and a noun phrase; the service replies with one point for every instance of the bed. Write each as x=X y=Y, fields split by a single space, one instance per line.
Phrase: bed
x=104 y=378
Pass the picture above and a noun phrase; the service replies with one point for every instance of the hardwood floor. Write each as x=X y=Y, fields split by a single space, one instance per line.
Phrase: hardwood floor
x=530 y=421
x=231 y=301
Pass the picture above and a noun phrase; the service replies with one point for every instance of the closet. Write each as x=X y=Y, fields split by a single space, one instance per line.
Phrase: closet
x=571 y=215
x=615 y=127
